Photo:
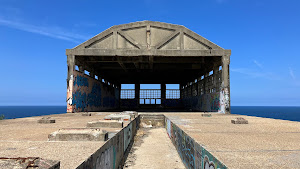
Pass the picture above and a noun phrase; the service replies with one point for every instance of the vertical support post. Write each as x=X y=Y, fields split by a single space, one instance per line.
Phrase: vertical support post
x=215 y=71
x=225 y=82
x=71 y=68
x=137 y=93
x=163 y=93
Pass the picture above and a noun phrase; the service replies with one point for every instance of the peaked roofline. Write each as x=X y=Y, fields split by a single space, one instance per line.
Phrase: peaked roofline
x=138 y=24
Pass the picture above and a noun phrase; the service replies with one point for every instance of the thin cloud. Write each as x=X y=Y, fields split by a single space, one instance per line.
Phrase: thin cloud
x=255 y=74
x=292 y=73
x=258 y=64
x=53 y=32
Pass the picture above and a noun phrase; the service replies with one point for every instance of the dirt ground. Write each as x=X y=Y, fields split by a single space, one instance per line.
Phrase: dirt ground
x=152 y=149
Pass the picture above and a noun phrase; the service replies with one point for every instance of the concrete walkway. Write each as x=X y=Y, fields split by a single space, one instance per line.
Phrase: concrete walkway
x=153 y=149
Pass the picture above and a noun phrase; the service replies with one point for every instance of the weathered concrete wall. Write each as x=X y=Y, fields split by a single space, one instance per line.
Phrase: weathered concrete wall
x=211 y=102
x=111 y=154
x=129 y=104
x=172 y=103
x=88 y=94
x=193 y=155
x=206 y=95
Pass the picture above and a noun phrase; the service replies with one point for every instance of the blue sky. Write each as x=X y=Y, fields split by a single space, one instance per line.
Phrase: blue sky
x=264 y=37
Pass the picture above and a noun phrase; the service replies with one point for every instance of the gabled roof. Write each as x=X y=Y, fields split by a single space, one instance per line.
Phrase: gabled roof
x=147 y=38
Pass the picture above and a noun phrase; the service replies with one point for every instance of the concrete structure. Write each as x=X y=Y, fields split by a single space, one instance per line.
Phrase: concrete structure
x=46 y=120
x=148 y=52
x=78 y=134
x=200 y=141
x=106 y=123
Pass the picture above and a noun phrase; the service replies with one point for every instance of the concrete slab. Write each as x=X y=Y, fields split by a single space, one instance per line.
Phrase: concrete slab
x=239 y=120
x=86 y=114
x=24 y=137
x=46 y=120
x=263 y=143
x=106 y=124
x=119 y=117
x=132 y=114
x=78 y=134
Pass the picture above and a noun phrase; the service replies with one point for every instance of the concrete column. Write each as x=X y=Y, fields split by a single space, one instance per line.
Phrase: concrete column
x=205 y=83
x=163 y=90
x=71 y=68
x=225 y=82
x=215 y=71
x=163 y=93
x=137 y=93
x=81 y=68
x=92 y=73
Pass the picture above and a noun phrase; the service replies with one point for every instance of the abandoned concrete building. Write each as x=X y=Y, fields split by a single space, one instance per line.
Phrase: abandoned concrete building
x=148 y=52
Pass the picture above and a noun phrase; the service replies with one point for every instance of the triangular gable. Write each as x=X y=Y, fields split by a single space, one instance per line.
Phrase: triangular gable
x=148 y=35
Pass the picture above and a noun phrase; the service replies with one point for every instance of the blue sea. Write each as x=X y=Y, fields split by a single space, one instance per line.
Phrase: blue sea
x=276 y=112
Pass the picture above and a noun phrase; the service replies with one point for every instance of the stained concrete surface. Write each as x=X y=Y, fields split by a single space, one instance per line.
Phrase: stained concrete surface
x=153 y=149
x=263 y=143
x=24 y=137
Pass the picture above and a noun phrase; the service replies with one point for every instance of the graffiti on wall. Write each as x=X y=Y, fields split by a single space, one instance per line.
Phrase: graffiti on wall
x=192 y=154
x=212 y=102
x=128 y=134
x=88 y=94
x=107 y=159
x=210 y=162
x=69 y=95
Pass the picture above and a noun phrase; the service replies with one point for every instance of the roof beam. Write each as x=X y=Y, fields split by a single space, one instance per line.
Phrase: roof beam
x=146 y=52
x=129 y=39
x=166 y=40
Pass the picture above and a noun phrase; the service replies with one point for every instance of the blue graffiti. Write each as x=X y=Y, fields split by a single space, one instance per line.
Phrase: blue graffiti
x=81 y=81
x=94 y=98
x=79 y=100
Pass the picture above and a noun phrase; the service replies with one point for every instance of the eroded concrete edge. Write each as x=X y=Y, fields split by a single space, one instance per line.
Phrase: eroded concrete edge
x=192 y=154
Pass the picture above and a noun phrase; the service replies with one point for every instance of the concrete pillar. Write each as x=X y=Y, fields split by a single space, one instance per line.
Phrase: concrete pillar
x=215 y=71
x=71 y=68
x=163 y=93
x=205 y=83
x=92 y=73
x=163 y=90
x=225 y=82
x=81 y=68
x=137 y=93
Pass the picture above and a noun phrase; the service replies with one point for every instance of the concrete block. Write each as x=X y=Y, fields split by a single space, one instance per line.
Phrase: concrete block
x=206 y=115
x=106 y=123
x=78 y=134
x=133 y=114
x=119 y=117
x=46 y=120
x=86 y=114
x=239 y=120
x=28 y=162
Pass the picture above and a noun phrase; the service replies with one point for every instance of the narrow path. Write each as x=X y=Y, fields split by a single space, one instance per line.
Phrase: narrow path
x=153 y=149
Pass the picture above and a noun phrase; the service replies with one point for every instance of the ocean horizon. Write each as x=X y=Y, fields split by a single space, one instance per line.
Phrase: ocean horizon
x=291 y=113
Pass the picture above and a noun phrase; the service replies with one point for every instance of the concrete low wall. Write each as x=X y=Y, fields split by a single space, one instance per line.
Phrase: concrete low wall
x=193 y=155
x=111 y=154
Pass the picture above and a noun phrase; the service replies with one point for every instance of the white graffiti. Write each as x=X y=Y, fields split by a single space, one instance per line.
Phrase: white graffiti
x=208 y=164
